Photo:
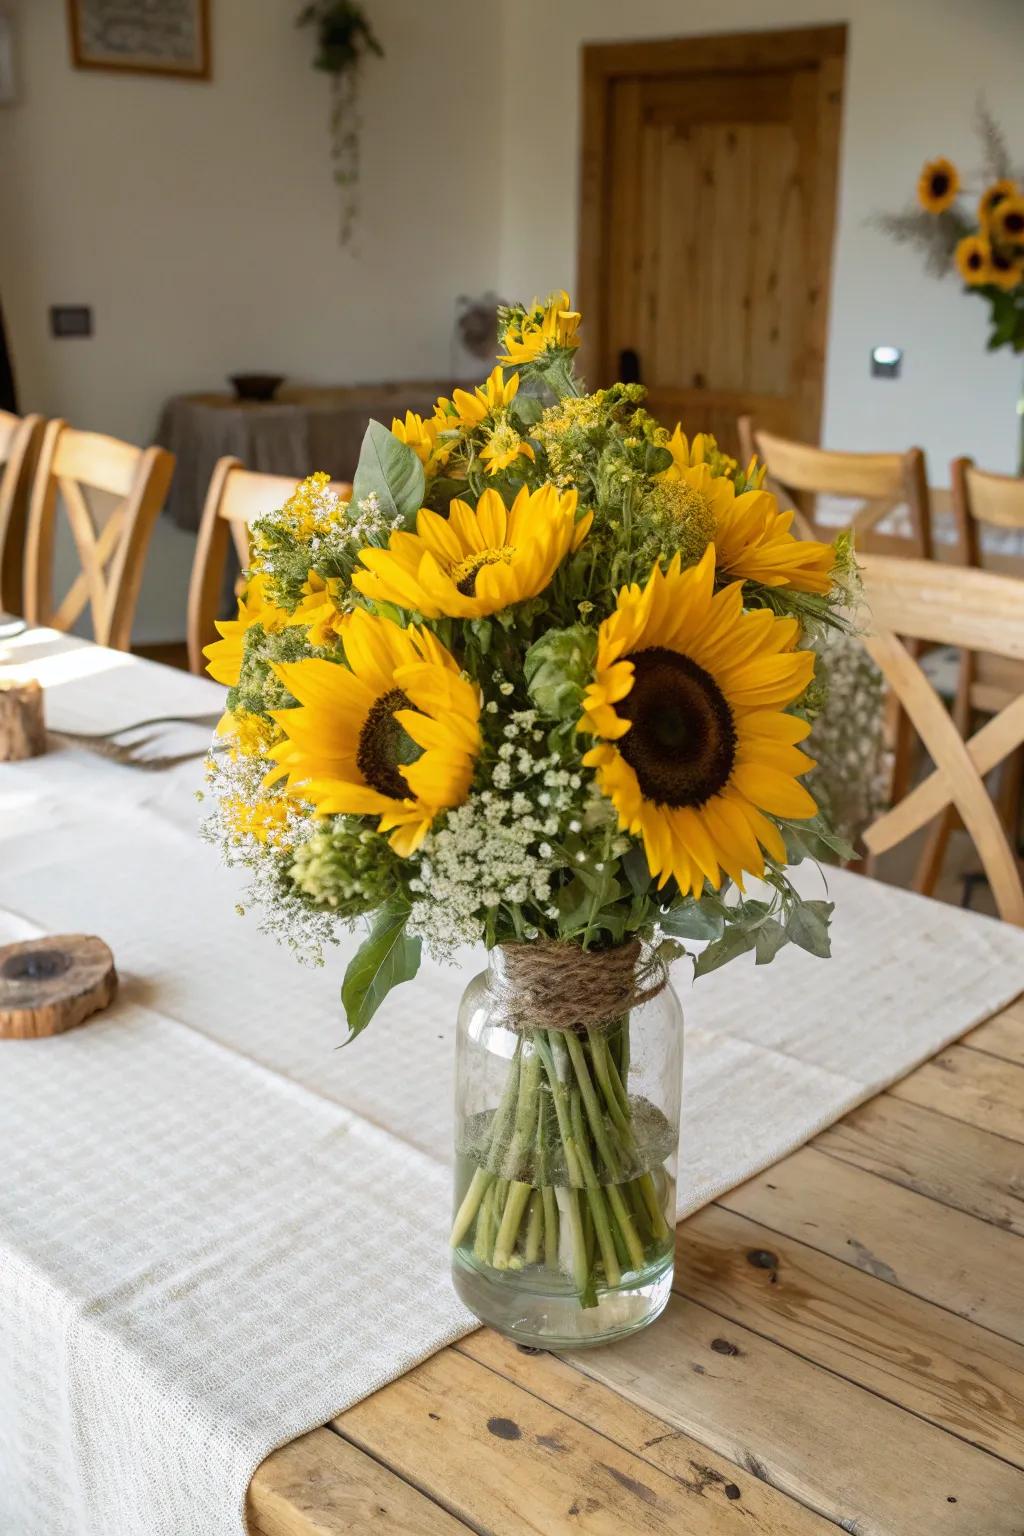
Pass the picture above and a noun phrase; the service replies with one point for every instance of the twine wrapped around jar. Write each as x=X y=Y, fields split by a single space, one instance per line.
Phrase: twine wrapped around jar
x=551 y=985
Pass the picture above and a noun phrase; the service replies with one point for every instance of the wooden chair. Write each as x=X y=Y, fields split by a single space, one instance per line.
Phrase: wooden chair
x=72 y=467
x=929 y=602
x=19 y=449
x=986 y=683
x=882 y=482
x=236 y=498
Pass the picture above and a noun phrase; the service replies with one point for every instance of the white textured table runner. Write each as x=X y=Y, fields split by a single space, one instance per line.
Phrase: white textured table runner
x=216 y=1230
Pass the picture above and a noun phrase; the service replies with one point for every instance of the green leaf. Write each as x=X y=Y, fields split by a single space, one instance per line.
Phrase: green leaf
x=808 y=927
x=637 y=871
x=690 y=920
x=389 y=469
x=525 y=409
x=768 y=940
x=656 y=459
x=733 y=943
x=386 y=957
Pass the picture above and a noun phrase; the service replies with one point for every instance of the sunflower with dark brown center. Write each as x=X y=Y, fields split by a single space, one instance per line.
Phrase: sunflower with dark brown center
x=694 y=747
x=394 y=733
x=938 y=185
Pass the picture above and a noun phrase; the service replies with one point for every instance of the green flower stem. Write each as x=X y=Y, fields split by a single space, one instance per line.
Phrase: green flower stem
x=550 y=1226
x=526 y=1110
x=624 y=1221
x=534 y=1228
x=569 y=1205
x=470 y=1205
x=560 y=1098
x=515 y=1204
x=659 y=1226
x=595 y=1197
x=590 y=1099
x=607 y=1078
x=484 y=1240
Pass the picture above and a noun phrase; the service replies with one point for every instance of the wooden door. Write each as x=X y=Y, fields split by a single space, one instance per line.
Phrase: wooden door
x=708 y=203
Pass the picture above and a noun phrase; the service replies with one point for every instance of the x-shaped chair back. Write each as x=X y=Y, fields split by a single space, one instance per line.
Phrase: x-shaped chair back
x=111 y=556
x=881 y=482
x=235 y=499
x=977 y=611
x=19 y=448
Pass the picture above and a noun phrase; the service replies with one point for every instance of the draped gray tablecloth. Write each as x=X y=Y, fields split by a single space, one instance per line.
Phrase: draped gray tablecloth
x=304 y=429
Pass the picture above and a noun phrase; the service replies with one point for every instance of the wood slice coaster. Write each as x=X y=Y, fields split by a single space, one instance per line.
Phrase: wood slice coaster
x=51 y=984
x=22 y=726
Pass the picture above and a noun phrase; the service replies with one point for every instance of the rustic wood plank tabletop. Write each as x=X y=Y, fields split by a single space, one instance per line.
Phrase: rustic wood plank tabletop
x=844 y=1350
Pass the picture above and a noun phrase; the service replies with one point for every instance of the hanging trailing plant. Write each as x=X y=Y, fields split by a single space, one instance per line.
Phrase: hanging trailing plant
x=343 y=37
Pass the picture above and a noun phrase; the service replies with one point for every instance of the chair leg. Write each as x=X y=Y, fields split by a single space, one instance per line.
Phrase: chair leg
x=933 y=854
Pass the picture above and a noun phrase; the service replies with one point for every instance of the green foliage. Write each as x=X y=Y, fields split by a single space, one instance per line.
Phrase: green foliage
x=389 y=470
x=558 y=667
x=347 y=867
x=343 y=34
x=385 y=959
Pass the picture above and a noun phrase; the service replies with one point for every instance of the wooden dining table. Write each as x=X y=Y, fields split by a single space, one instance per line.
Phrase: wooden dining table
x=843 y=1349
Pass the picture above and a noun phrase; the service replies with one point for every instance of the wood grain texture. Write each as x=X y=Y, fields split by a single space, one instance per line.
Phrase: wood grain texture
x=1002 y=1036
x=971 y=1086
x=22 y=721
x=945 y=1256
x=834 y=1447
x=690 y=1462
x=708 y=193
x=52 y=984
x=320 y=1485
x=962 y=1378
x=507 y=1462
x=944 y=1159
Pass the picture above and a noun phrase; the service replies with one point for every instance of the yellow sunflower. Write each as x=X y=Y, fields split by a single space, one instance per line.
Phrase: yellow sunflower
x=993 y=196
x=469 y=410
x=224 y=656
x=318 y=609
x=686 y=453
x=1006 y=269
x=541 y=327
x=475 y=562
x=1007 y=222
x=394 y=734
x=695 y=750
x=752 y=537
x=974 y=260
x=419 y=435
x=504 y=446
x=938 y=185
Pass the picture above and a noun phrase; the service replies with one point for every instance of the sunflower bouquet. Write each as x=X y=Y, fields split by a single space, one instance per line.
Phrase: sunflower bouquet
x=976 y=231
x=540 y=685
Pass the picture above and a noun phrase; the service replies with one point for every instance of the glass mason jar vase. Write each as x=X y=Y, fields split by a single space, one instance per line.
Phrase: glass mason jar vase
x=568 y=1080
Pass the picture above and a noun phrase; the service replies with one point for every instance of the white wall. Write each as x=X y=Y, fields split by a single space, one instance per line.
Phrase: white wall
x=914 y=68
x=200 y=220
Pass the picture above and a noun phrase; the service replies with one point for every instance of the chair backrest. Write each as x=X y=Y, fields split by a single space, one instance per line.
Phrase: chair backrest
x=981 y=499
x=235 y=499
x=883 y=483
x=71 y=465
x=923 y=600
x=19 y=448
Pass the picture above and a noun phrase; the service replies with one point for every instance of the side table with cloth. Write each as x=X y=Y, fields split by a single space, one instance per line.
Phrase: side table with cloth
x=194 y=1267
x=303 y=429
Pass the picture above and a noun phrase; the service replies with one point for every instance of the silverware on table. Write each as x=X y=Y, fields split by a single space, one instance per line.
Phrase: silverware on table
x=122 y=745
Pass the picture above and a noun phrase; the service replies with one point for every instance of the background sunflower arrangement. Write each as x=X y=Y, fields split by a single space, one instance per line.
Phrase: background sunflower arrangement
x=977 y=232
x=547 y=676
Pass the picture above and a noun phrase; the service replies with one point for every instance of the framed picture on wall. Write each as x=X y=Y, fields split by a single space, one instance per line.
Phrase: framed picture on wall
x=151 y=37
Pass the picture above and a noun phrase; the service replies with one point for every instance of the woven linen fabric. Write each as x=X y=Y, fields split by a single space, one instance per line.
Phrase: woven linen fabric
x=216 y=1229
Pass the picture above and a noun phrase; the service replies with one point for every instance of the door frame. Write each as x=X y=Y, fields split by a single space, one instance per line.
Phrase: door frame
x=788 y=48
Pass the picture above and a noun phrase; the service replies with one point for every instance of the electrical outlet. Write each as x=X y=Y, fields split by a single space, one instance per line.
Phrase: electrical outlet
x=71 y=320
